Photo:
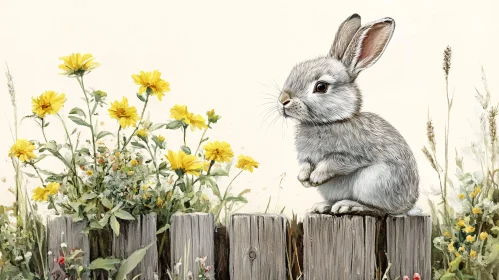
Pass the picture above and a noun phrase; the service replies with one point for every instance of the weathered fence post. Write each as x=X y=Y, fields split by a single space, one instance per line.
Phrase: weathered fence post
x=135 y=235
x=257 y=247
x=339 y=247
x=408 y=240
x=192 y=236
x=62 y=229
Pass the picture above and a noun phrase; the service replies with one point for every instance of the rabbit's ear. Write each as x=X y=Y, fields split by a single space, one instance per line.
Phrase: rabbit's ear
x=344 y=35
x=368 y=45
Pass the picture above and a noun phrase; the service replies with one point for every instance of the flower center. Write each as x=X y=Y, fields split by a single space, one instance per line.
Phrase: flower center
x=121 y=113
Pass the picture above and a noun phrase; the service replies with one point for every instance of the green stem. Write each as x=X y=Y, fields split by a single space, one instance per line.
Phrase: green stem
x=446 y=213
x=119 y=129
x=153 y=157
x=90 y=113
x=43 y=130
x=223 y=202
x=38 y=173
x=140 y=122
x=185 y=134
x=202 y=137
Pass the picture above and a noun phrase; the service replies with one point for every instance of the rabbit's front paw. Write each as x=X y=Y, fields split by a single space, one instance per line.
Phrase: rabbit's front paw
x=322 y=207
x=348 y=206
x=304 y=173
x=320 y=175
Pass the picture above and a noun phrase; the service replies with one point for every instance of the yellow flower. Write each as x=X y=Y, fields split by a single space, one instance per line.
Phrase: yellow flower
x=484 y=235
x=218 y=151
x=184 y=162
x=461 y=249
x=161 y=138
x=476 y=210
x=451 y=247
x=144 y=187
x=473 y=254
x=23 y=150
x=126 y=115
x=196 y=122
x=461 y=196
x=130 y=173
x=90 y=172
x=475 y=192
x=179 y=112
x=469 y=229
x=141 y=132
x=53 y=187
x=48 y=103
x=246 y=163
x=153 y=82
x=133 y=162
x=159 y=202
x=447 y=234
x=461 y=223
x=40 y=194
x=470 y=238
x=77 y=64
x=117 y=154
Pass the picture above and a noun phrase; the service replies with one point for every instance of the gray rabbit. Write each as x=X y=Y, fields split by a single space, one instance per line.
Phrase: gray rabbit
x=358 y=161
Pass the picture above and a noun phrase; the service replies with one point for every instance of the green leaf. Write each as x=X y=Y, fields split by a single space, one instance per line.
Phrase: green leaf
x=96 y=225
x=124 y=215
x=115 y=225
x=78 y=111
x=103 y=134
x=213 y=185
x=103 y=222
x=106 y=264
x=156 y=126
x=237 y=199
x=108 y=204
x=163 y=229
x=219 y=172
x=453 y=265
x=174 y=125
x=88 y=196
x=78 y=121
x=138 y=145
x=162 y=165
x=131 y=262
x=186 y=149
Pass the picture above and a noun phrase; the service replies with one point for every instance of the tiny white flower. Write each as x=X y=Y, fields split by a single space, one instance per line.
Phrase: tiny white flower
x=64 y=245
x=28 y=255
x=49 y=253
x=18 y=258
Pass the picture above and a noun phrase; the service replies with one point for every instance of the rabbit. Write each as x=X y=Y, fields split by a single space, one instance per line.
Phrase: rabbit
x=357 y=160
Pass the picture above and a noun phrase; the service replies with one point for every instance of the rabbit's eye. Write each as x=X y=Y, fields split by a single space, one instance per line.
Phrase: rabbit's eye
x=320 y=87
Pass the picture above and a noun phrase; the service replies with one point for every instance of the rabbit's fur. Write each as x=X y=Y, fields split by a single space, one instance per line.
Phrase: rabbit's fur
x=358 y=161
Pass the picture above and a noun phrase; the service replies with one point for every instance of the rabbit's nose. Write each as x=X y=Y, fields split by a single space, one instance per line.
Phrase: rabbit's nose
x=284 y=98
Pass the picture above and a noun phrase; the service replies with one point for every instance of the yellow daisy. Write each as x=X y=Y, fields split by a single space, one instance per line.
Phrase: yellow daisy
x=41 y=194
x=48 y=103
x=77 y=64
x=23 y=150
x=141 y=132
x=126 y=115
x=153 y=82
x=187 y=163
x=246 y=163
x=196 y=122
x=218 y=151
x=179 y=112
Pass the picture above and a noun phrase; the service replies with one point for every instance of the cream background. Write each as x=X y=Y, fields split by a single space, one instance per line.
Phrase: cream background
x=228 y=56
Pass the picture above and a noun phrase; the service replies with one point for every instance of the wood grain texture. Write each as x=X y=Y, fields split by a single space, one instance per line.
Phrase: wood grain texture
x=408 y=240
x=339 y=247
x=62 y=229
x=196 y=232
x=257 y=247
x=133 y=236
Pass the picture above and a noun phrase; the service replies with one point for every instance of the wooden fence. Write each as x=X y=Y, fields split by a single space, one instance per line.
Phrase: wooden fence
x=254 y=246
